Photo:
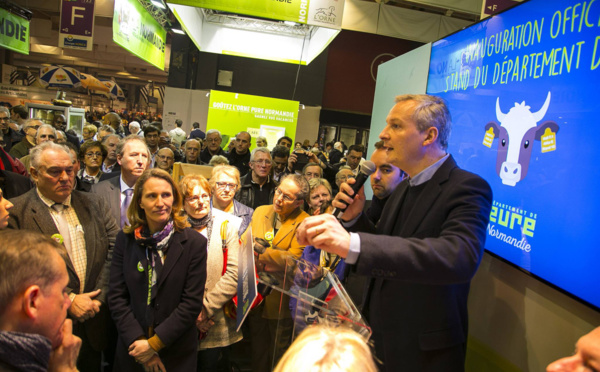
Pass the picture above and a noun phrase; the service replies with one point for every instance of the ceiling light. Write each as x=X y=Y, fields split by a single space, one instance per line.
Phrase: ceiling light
x=178 y=31
x=158 y=4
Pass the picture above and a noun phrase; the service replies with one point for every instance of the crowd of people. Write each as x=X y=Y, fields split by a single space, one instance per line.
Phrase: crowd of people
x=111 y=264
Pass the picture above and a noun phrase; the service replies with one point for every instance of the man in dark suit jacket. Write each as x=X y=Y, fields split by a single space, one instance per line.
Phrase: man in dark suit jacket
x=426 y=247
x=88 y=231
x=13 y=184
x=133 y=156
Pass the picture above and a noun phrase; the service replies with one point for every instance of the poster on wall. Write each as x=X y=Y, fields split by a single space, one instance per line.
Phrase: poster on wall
x=232 y=113
x=137 y=31
x=522 y=90
x=76 y=24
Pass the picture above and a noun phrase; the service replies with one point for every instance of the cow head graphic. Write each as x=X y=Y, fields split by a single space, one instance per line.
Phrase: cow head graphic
x=516 y=133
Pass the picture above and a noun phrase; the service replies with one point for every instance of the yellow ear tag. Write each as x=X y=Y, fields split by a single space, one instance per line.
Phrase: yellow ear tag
x=548 y=140
x=488 y=139
x=140 y=267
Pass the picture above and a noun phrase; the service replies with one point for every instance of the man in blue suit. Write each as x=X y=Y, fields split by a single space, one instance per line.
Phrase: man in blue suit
x=426 y=247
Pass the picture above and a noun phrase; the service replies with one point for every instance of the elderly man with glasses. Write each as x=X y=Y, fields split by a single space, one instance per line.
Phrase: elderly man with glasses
x=22 y=148
x=274 y=228
x=165 y=159
x=257 y=187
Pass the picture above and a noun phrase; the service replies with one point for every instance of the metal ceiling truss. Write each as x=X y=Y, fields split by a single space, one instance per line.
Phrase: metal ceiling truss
x=158 y=14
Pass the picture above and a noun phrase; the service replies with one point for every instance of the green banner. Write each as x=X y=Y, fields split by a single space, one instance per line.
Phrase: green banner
x=14 y=32
x=325 y=13
x=137 y=31
x=272 y=118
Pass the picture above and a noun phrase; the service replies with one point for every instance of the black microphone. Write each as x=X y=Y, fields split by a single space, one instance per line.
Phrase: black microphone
x=366 y=169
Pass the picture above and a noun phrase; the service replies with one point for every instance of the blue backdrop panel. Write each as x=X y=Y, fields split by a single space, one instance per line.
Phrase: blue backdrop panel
x=523 y=91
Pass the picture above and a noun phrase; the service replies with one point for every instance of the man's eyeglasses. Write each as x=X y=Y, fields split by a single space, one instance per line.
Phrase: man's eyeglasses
x=5 y=119
x=164 y=157
x=225 y=185
x=286 y=197
x=93 y=154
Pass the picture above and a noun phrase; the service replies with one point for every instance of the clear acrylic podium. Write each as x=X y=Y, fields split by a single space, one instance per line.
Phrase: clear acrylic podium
x=313 y=295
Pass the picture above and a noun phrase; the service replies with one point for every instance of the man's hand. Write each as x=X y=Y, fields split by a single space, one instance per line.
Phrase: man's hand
x=260 y=245
x=586 y=358
x=292 y=159
x=324 y=232
x=64 y=357
x=84 y=306
x=141 y=351
x=154 y=365
x=356 y=203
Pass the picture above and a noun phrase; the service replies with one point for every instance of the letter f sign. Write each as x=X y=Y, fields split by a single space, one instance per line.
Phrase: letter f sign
x=75 y=15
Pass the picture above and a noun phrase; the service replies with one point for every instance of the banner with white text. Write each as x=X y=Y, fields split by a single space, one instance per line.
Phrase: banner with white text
x=232 y=113
x=137 y=31
x=14 y=32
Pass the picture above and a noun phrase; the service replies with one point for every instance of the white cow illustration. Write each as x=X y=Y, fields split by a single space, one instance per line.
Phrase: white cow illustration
x=517 y=131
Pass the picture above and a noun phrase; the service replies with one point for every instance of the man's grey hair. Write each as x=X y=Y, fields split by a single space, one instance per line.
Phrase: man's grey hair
x=107 y=128
x=312 y=164
x=5 y=110
x=218 y=160
x=134 y=124
x=47 y=126
x=430 y=111
x=338 y=146
x=257 y=150
x=211 y=131
x=300 y=182
x=30 y=122
x=105 y=138
x=130 y=138
x=36 y=152
x=192 y=141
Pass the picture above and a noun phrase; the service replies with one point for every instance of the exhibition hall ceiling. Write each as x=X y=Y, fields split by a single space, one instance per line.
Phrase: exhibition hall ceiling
x=110 y=60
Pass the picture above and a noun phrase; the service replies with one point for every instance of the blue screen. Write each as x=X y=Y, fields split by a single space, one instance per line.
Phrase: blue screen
x=523 y=88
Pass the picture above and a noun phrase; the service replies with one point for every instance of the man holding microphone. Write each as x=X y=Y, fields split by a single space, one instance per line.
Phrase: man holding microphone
x=426 y=248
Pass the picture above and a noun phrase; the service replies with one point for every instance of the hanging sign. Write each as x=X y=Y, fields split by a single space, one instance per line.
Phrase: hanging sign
x=76 y=24
x=14 y=32
x=137 y=31
x=323 y=13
